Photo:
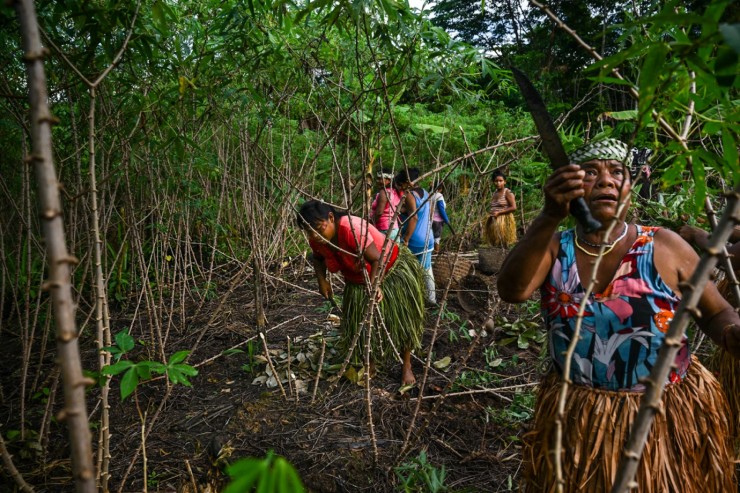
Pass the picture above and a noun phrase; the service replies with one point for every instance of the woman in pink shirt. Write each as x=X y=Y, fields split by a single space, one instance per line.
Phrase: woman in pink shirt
x=383 y=208
x=356 y=249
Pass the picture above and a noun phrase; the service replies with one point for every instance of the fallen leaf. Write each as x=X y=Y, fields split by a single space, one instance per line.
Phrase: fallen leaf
x=405 y=388
x=442 y=363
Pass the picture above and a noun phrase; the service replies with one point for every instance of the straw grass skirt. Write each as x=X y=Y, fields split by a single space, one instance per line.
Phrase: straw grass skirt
x=401 y=312
x=728 y=374
x=688 y=449
x=728 y=369
x=500 y=230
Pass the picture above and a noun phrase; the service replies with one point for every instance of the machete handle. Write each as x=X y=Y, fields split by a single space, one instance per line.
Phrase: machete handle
x=580 y=211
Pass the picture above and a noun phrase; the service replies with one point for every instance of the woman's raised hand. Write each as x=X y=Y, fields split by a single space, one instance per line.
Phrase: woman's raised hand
x=563 y=185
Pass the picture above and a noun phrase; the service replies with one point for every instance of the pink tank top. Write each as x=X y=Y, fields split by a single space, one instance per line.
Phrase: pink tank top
x=383 y=220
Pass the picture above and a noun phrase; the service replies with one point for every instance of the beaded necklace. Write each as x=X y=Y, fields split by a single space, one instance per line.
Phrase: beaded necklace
x=610 y=246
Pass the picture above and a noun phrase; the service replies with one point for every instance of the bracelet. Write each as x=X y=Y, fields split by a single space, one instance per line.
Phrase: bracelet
x=723 y=339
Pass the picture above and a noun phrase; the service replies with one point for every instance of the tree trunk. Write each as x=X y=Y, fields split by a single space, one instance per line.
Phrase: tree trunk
x=60 y=261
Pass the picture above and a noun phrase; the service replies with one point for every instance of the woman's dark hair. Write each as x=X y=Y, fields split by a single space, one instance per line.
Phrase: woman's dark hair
x=438 y=185
x=498 y=173
x=404 y=176
x=314 y=211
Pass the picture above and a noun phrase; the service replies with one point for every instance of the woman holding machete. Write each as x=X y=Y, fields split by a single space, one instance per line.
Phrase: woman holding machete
x=635 y=294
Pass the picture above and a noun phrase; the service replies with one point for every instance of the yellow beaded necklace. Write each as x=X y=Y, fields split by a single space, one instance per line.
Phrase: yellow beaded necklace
x=610 y=246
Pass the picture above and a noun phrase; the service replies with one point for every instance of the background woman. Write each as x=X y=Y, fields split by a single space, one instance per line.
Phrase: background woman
x=635 y=295
x=352 y=246
x=383 y=208
x=439 y=213
x=500 y=226
x=417 y=227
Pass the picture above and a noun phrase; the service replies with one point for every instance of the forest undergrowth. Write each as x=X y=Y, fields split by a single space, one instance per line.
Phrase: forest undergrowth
x=467 y=440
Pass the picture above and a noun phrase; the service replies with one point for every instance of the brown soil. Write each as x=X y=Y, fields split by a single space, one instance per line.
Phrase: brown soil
x=329 y=441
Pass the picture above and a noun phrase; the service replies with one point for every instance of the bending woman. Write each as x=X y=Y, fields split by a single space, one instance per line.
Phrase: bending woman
x=352 y=246
x=500 y=227
x=634 y=298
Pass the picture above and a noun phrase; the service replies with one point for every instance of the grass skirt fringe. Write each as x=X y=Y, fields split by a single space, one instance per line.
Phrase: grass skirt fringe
x=687 y=451
x=401 y=311
x=500 y=230
x=728 y=369
x=728 y=374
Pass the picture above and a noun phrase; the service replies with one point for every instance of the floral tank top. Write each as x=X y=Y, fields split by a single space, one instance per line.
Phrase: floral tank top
x=623 y=327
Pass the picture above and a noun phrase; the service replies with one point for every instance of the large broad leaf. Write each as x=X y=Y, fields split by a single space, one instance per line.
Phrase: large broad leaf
x=620 y=115
x=423 y=127
x=652 y=72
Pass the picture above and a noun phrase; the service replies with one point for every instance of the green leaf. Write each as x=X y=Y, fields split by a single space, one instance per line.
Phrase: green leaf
x=244 y=474
x=729 y=146
x=185 y=370
x=160 y=22
x=522 y=342
x=700 y=192
x=144 y=371
x=650 y=77
x=229 y=352
x=117 y=368
x=442 y=363
x=620 y=115
x=129 y=382
x=507 y=340
x=435 y=129
x=124 y=341
x=178 y=357
x=726 y=67
x=731 y=35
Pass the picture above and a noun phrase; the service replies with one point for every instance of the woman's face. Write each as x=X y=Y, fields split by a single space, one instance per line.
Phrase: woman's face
x=324 y=230
x=382 y=182
x=606 y=185
x=499 y=182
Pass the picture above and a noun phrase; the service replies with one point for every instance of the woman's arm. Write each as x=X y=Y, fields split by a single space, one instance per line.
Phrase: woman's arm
x=380 y=207
x=510 y=202
x=410 y=209
x=319 y=267
x=372 y=257
x=442 y=211
x=527 y=265
x=700 y=238
x=716 y=317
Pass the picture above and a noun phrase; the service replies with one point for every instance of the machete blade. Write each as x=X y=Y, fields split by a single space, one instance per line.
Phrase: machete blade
x=548 y=133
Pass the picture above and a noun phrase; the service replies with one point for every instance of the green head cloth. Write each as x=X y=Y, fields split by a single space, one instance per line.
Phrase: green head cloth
x=604 y=149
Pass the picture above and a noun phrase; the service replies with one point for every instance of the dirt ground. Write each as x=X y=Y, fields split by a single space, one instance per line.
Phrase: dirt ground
x=476 y=401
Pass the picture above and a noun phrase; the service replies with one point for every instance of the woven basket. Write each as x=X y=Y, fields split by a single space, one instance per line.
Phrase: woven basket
x=474 y=293
x=490 y=259
x=447 y=268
